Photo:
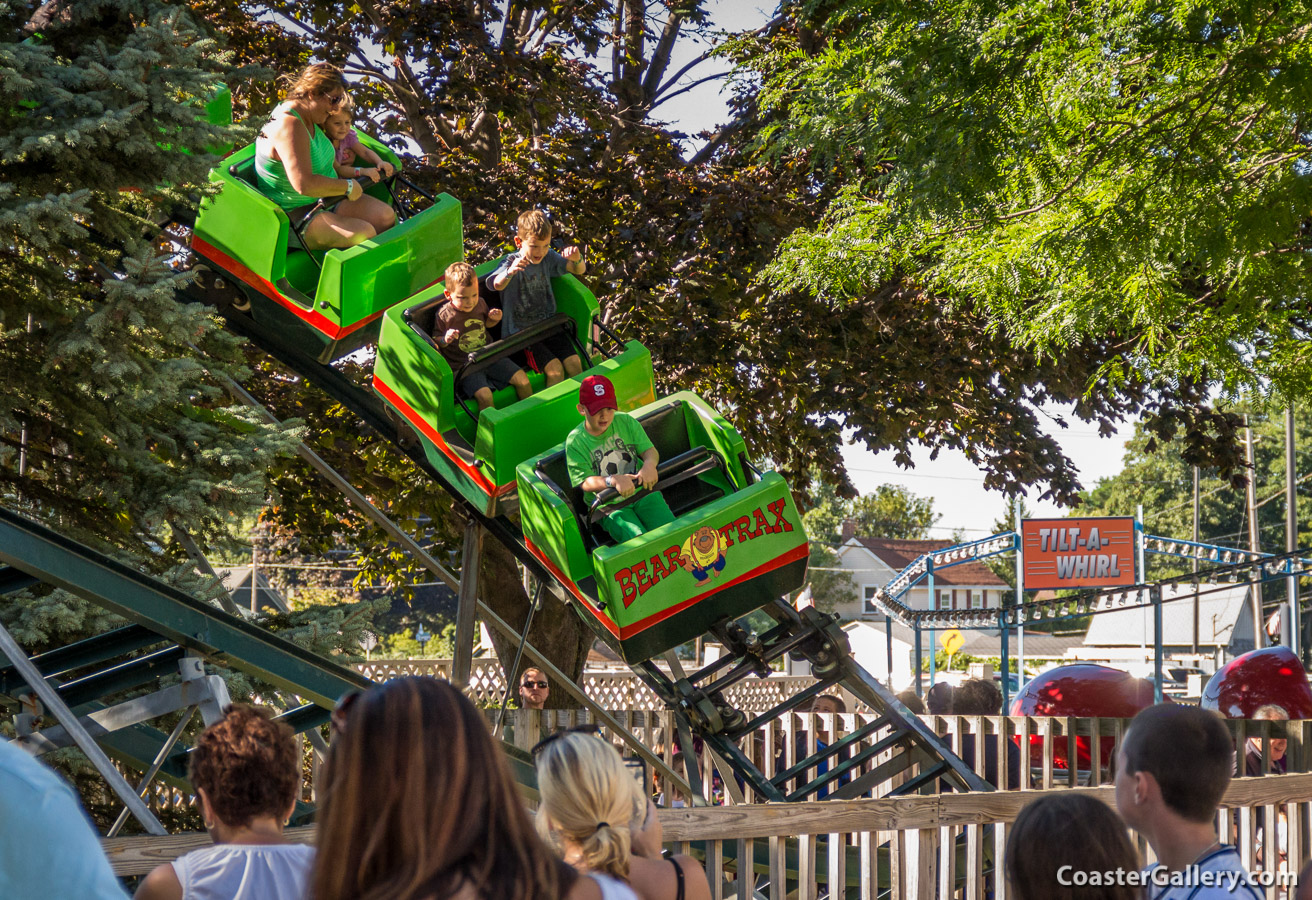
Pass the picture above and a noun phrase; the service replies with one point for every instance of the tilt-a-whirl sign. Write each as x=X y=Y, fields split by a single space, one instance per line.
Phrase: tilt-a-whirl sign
x=1076 y=553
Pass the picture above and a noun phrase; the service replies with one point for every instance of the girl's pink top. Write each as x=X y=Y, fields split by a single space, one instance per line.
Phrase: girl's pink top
x=347 y=146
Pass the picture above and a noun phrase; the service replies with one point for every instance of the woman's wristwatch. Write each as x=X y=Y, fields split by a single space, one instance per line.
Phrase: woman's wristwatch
x=349 y=182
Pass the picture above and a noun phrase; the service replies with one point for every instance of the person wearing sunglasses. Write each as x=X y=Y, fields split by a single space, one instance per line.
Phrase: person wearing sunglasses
x=533 y=689
x=246 y=769
x=602 y=821
x=418 y=804
x=294 y=161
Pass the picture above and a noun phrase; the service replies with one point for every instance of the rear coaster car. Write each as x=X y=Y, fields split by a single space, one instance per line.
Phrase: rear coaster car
x=478 y=452
x=737 y=540
x=324 y=303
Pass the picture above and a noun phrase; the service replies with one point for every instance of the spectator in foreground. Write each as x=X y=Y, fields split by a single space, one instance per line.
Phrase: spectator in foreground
x=533 y=689
x=418 y=803
x=246 y=770
x=47 y=845
x=1253 y=755
x=603 y=823
x=1172 y=769
x=1064 y=833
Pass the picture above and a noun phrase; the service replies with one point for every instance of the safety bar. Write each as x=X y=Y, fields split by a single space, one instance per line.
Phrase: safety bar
x=688 y=464
x=496 y=351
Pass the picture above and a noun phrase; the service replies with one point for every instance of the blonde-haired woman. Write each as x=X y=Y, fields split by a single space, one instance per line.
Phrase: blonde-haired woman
x=601 y=821
x=294 y=164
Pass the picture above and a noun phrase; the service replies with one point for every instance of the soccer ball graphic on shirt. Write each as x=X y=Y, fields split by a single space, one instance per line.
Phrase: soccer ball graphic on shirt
x=619 y=459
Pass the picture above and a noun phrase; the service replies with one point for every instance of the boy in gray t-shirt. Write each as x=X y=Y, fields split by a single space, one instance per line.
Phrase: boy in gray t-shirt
x=524 y=280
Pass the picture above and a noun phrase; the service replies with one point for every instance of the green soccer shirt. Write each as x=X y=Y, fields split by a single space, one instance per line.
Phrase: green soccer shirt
x=617 y=451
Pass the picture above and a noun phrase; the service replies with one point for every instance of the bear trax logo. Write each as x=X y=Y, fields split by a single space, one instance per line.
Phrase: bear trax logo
x=702 y=554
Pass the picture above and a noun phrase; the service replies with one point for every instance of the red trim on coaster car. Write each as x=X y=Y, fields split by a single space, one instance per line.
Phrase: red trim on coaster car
x=317 y=320
x=628 y=631
x=791 y=556
x=588 y=603
x=435 y=436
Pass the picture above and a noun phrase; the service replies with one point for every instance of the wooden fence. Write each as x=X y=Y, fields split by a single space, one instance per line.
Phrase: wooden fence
x=792 y=738
x=946 y=845
x=609 y=690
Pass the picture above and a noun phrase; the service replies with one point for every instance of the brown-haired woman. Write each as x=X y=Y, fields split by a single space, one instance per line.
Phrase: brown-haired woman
x=294 y=164
x=246 y=770
x=1070 y=847
x=418 y=803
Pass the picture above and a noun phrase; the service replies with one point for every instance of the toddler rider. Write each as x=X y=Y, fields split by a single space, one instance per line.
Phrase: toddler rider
x=350 y=151
x=605 y=451
x=460 y=328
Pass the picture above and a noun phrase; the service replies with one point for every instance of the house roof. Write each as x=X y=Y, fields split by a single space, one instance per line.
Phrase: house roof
x=1220 y=608
x=898 y=554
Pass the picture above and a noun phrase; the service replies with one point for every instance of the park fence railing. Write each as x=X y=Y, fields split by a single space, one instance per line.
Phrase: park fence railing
x=1053 y=741
x=933 y=846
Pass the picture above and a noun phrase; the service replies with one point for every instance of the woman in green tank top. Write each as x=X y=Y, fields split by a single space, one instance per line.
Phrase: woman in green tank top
x=294 y=164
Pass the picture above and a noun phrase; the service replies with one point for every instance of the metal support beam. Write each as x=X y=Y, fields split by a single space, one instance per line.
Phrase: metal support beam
x=1155 y=595
x=12 y=579
x=471 y=557
x=46 y=694
x=1291 y=536
x=165 y=749
x=115 y=718
x=175 y=616
x=93 y=650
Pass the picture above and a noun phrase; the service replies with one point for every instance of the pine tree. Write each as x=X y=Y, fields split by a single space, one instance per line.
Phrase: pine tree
x=113 y=429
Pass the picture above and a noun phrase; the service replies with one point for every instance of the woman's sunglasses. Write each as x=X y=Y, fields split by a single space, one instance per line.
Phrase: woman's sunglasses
x=577 y=729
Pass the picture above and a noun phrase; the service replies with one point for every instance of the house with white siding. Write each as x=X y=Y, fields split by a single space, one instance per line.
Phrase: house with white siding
x=874 y=562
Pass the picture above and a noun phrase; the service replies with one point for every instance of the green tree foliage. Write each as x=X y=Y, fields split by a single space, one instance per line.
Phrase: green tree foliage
x=890 y=511
x=1116 y=190
x=112 y=428
x=1162 y=482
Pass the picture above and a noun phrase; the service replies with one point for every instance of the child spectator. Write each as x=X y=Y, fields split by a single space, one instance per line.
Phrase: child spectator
x=1065 y=833
x=246 y=769
x=349 y=151
x=604 y=451
x=1172 y=768
x=460 y=328
x=524 y=280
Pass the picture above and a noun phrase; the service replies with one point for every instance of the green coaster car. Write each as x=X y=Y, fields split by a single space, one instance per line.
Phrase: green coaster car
x=737 y=539
x=327 y=302
x=478 y=452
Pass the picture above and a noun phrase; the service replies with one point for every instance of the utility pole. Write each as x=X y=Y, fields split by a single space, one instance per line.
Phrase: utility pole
x=1255 y=587
x=1195 y=561
x=1291 y=537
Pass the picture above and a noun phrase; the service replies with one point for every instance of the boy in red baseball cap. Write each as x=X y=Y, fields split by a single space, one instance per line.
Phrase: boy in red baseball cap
x=609 y=449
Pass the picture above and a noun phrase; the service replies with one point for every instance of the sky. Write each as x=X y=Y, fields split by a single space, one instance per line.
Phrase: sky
x=955 y=485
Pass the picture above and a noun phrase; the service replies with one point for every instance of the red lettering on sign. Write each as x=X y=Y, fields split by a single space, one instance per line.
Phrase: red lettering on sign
x=742 y=524
x=640 y=573
x=658 y=570
x=761 y=526
x=724 y=533
x=672 y=562
x=777 y=509
x=627 y=589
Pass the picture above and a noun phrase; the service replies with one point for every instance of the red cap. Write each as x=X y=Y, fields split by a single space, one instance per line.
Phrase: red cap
x=597 y=393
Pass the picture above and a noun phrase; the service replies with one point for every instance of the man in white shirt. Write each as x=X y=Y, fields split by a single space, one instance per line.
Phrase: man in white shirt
x=1172 y=769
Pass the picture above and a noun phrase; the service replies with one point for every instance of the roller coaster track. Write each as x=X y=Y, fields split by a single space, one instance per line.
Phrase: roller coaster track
x=171 y=634
x=911 y=755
